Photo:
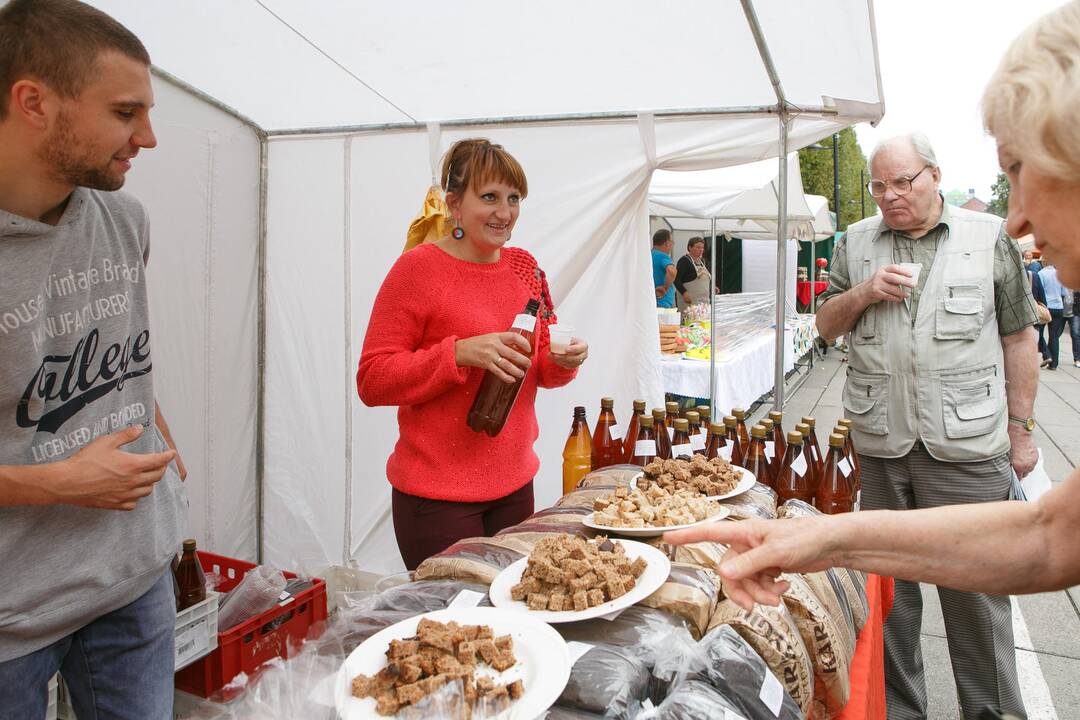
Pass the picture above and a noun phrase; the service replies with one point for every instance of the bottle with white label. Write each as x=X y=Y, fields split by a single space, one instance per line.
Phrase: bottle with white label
x=853 y=458
x=680 y=441
x=606 y=444
x=663 y=437
x=754 y=458
x=850 y=469
x=698 y=438
x=775 y=461
x=792 y=482
x=630 y=437
x=813 y=475
x=645 y=444
x=834 y=493
x=495 y=398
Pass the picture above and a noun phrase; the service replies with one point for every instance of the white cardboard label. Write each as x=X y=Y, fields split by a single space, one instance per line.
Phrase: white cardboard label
x=466 y=599
x=858 y=499
x=845 y=466
x=772 y=693
x=697 y=442
x=682 y=449
x=799 y=464
x=645 y=448
x=770 y=449
x=577 y=650
x=616 y=431
x=725 y=452
x=612 y=616
x=525 y=322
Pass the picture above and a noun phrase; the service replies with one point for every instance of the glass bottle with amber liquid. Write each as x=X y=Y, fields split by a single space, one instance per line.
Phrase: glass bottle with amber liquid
x=834 y=492
x=698 y=438
x=495 y=398
x=777 y=418
x=811 y=441
x=792 y=483
x=680 y=441
x=755 y=460
x=717 y=440
x=672 y=415
x=731 y=429
x=606 y=449
x=853 y=458
x=663 y=437
x=813 y=476
x=740 y=420
x=845 y=464
x=705 y=417
x=631 y=431
x=190 y=578
x=770 y=447
x=645 y=443
x=577 y=455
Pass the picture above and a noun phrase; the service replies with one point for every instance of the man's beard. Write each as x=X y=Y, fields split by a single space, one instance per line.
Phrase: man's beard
x=72 y=159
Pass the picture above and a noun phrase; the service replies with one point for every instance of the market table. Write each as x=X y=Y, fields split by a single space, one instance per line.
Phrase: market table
x=867 y=675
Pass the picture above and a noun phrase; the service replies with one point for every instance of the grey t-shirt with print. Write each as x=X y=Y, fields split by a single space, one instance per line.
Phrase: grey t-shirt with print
x=74 y=365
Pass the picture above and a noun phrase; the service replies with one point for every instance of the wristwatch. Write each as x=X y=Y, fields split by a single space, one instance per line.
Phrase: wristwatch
x=1028 y=424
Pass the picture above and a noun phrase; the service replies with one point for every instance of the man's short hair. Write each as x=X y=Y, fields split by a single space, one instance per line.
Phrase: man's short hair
x=58 y=42
x=661 y=236
x=918 y=140
x=694 y=241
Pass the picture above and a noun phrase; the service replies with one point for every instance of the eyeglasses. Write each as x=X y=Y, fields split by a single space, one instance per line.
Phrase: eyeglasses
x=900 y=186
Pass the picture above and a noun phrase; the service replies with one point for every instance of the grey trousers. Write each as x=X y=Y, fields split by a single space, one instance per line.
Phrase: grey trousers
x=978 y=626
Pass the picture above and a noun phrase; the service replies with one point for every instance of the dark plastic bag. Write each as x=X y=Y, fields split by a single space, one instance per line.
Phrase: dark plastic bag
x=607 y=680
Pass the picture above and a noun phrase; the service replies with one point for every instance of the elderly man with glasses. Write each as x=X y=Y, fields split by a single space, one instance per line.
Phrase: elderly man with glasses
x=941 y=381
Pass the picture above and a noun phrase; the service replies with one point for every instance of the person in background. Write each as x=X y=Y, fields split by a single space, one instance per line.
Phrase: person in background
x=440 y=322
x=999 y=548
x=1074 y=326
x=92 y=506
x=692 y=277
x=1055 y=295
x=1044 y=317
x=663 y=268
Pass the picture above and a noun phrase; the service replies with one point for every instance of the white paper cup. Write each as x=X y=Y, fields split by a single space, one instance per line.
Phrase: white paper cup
x=914 y=269
x=561 y=335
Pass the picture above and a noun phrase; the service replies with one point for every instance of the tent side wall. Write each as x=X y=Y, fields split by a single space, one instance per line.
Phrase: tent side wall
x=201 y=189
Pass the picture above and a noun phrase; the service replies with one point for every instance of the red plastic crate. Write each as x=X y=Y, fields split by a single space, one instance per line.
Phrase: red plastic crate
x=245 y=647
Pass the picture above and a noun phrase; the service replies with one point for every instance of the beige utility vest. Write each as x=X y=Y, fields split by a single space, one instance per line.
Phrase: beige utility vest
x=941 y=378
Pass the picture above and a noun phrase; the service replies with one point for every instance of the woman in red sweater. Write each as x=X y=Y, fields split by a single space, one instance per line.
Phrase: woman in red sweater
x=438 y=323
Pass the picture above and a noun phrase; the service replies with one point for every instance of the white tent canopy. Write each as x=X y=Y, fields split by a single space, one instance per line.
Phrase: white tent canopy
x=296 y=141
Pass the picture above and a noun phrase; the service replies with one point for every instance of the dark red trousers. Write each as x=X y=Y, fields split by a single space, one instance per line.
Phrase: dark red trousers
x=425 y=527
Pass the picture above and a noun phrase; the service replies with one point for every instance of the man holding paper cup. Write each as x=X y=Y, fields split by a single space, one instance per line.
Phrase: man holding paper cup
x=941 y=381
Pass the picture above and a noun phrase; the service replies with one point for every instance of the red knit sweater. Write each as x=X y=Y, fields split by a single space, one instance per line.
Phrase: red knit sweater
x=427 y=302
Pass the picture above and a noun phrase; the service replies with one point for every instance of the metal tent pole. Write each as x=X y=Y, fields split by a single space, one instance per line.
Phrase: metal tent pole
x=781 y=269
x=712 y=325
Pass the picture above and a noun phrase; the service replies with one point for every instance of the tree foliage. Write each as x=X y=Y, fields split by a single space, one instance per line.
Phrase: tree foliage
x=999 y=204
x=817 y=176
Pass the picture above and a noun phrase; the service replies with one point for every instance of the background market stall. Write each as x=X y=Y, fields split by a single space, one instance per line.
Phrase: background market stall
x=296 y=144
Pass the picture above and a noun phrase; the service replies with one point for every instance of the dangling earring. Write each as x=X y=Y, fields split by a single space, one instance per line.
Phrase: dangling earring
x=458 y=232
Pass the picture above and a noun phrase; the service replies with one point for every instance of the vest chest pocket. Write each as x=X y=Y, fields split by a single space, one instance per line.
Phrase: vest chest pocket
x=960 y=312
x=972 y=407
x=866 y=398
x=870 y=329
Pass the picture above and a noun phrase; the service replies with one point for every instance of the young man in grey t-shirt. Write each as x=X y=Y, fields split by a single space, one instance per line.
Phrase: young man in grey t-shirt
x=91 y=500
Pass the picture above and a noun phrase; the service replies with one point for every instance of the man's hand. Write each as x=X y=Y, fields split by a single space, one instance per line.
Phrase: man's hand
x=760 y=550
x=101 y=475
x=888 y=283
x=1023 y=454
x=661 y=291
x=687 y=299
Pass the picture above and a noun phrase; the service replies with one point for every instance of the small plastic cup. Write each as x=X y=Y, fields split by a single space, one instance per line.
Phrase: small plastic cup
x=561 y=335
x=914 y=269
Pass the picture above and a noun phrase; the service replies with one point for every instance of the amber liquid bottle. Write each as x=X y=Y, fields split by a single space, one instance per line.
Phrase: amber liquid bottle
x=853 y=458
x=754 y=458
x=731 y=429
x=793 y=482
x=815 y=448
x=770 y=447
x=663 y=437
x=777 y=418
x=606 y=450
x=717 y=439
x=680 y=441
x=577 y=456
x=672 y=415
x=645 y=443
x=495 y=399
x=740 y=419
x=845 y=464
x=190 y=578
x=631 y=431
x=705 y=416
x=833 y=495
x=698 y=438
x=813 y=476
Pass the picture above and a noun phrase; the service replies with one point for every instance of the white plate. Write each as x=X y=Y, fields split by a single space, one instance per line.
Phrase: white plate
x=656 y=574
x=587 y=521
x=745 y=483
x=543 y=661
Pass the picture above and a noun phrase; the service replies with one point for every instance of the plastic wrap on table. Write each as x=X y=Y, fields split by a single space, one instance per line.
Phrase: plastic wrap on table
x=584 y=497
x=607 y=680
x=742 y=316
x=477 y=559
x=636 y=629
x=772 y=632
x=690 y=591
x=831 y=646
x=757 y=503
x=692 y=700
x=557 y=712
x=423 y=596
x=258 y=591
x=611 y=476
x=797 y=509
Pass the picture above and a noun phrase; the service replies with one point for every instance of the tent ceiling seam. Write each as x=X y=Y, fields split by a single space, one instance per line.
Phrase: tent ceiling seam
x=332 y=59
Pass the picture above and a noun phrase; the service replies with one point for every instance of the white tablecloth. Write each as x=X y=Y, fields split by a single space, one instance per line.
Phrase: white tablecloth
x=741 y=377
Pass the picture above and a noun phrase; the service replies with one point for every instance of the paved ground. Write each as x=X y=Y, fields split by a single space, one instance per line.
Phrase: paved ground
x=1046 y=626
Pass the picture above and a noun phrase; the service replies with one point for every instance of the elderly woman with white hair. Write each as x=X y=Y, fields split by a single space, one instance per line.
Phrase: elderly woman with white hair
x=1030 y=106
